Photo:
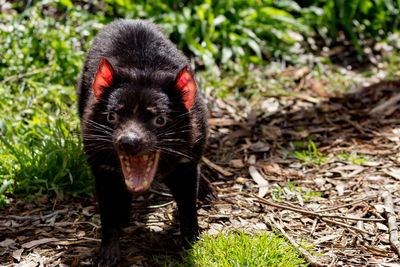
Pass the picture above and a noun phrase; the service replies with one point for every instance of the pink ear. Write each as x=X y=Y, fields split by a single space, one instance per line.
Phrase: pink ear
x=186 y=84
x=103 y=77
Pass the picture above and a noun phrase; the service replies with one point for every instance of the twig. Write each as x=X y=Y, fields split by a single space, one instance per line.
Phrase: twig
x=391 y=221
x=356 y=125
x=216 y=167
x=38 y=217
x=380 y=252
x=314 y=226
x=161 y=205
x=62 y=224
x=345 y=225
x=19 y=76
x=310 y=259
x=345 y=205
x=311 y=213
x=91 y=239
x=160 y=193
x=385 y=105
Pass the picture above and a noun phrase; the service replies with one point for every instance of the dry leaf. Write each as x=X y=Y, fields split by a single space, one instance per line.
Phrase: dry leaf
x=236 y=163
x=17 y=254
x=318 y=87
x=394 y=172
x=7 y=243
x=325 y=239
x=252 y=159
x=382 y=227
x=272 y=169
x=39 y=242
x=270 y=106
x=297 y=73
x=271 y=132
x=379 y=208
x=241 y=180
x=260 y=147
x=223 y=122
x=340 y=189
x=261 y=182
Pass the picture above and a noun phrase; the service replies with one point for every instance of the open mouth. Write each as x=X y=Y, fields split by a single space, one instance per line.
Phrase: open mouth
x=139 y=171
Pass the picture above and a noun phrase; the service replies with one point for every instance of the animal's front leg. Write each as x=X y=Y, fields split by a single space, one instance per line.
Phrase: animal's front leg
x=114 y=203
x=183 y=183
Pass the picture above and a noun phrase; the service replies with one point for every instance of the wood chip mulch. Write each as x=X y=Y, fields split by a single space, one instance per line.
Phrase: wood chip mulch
x=339 y=207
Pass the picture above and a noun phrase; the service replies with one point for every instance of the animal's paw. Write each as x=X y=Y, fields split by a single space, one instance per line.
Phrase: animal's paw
x=109 y=255
x=189 y=234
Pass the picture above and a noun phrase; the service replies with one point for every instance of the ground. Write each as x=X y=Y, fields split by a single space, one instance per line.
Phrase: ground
x=322 y=167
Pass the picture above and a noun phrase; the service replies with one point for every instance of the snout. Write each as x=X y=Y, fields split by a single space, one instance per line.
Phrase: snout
x=129 y=144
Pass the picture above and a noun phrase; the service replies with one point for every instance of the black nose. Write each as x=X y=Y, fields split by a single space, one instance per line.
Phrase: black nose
x=129 y=144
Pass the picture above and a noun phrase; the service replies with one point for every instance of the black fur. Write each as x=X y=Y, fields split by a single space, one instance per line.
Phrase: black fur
x=145 y=65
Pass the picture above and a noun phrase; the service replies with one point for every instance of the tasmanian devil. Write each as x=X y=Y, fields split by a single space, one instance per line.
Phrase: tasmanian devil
x=142 y=118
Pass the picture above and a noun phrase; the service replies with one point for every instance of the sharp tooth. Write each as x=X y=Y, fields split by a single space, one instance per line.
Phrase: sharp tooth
x=144 y=184
x=148 y=169
x=129 y=183
x=128 y=168
x=137 y=189
x=145 y=157
x=121 y=157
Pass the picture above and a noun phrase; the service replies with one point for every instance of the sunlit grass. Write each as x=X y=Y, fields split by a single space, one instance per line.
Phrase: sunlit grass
x=239 y=249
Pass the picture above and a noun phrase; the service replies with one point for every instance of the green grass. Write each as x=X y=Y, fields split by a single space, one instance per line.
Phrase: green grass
x=239 y=249
x=309 y=155
x=278 y=193
x=353 y=157
x=40 y=148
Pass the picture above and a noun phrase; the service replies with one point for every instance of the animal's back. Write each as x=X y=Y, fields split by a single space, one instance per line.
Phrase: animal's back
x=134 y=46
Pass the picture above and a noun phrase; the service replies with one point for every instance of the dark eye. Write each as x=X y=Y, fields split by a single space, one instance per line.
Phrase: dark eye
x=111 y=116
x=160 y=120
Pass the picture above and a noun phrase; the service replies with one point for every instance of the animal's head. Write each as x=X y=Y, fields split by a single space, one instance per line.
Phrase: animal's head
x=143 y=114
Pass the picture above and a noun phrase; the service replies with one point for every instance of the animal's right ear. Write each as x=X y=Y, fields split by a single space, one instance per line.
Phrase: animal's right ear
x=103 y=78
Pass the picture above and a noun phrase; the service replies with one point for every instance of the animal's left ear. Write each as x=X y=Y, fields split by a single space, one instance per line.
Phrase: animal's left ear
x=186 y=85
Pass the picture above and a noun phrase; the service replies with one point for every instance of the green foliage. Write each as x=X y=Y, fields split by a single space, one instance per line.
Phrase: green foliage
x=358 y=19
x=233 y=33
x=225 y=32
x=241 y=249
x=40 y=148
x=33 y=41
x=311 y=155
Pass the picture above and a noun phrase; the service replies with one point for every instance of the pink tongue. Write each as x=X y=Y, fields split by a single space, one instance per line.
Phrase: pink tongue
x=138 y=171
